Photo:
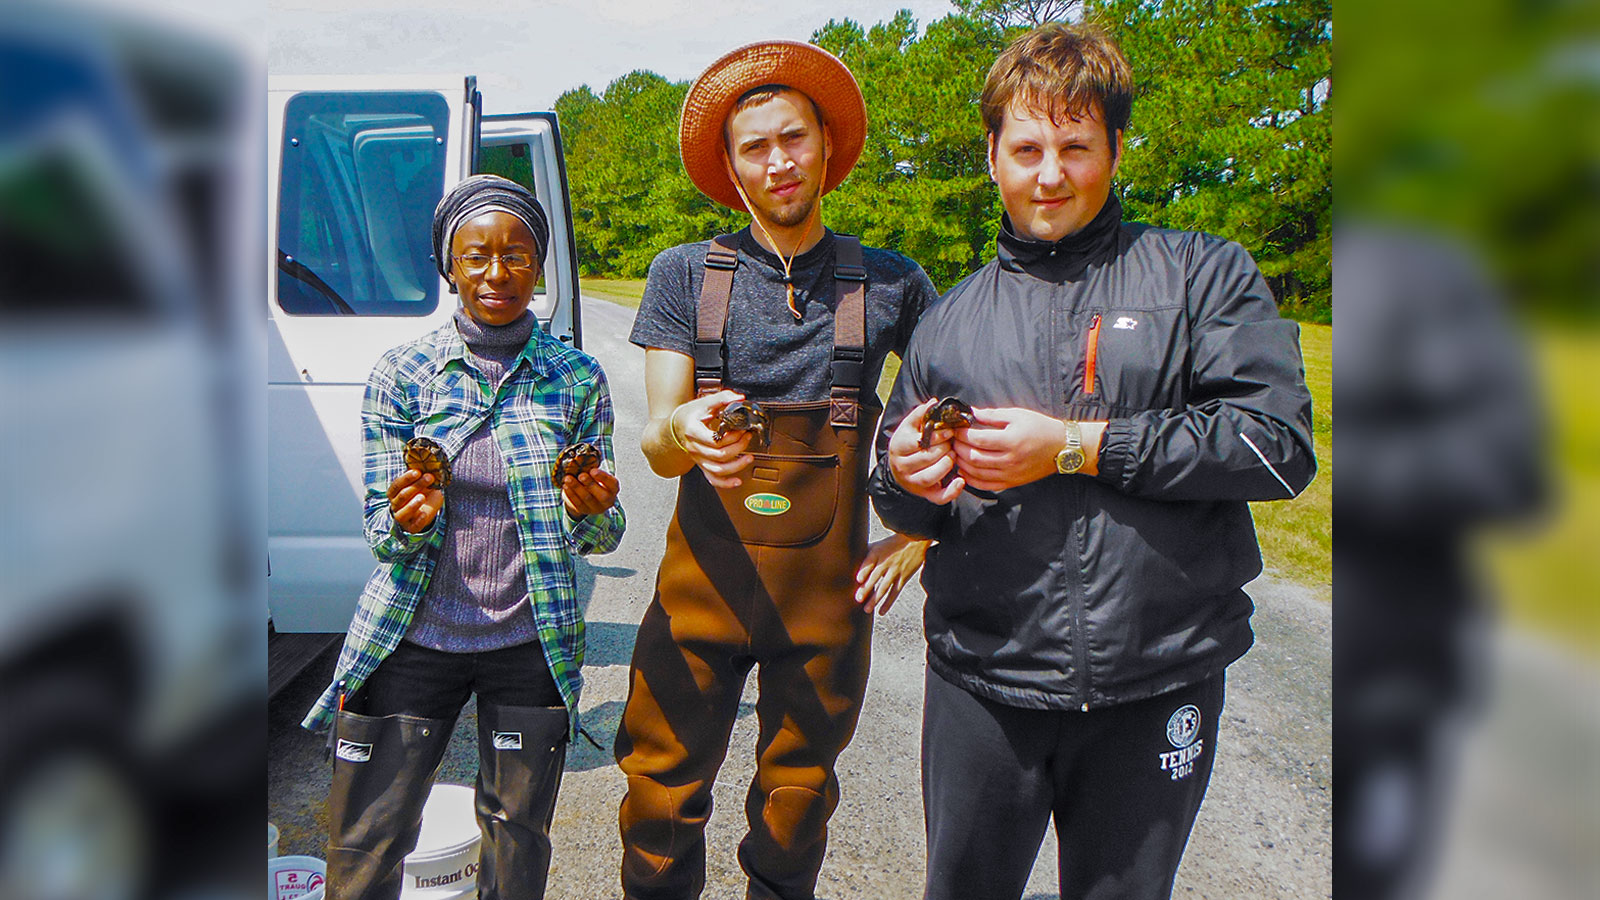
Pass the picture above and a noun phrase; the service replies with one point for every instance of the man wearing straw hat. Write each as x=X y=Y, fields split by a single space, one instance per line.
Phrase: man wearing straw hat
x=762 y=350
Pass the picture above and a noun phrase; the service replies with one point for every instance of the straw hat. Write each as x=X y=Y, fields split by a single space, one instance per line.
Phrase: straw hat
x=808 y=69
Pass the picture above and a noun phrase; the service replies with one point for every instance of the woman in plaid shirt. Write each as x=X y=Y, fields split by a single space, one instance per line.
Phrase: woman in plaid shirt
x=475 y=594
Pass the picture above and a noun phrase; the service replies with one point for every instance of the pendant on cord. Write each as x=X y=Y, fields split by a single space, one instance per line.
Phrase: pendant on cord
x=793 y=310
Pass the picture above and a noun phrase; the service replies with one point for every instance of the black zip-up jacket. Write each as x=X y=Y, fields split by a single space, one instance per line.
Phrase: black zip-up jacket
x=1075 y=592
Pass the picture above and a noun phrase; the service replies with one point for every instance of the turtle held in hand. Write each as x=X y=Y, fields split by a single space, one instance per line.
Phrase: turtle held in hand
x=947 y=413
x=426 y=456
x=744 y=415
x=574 y=460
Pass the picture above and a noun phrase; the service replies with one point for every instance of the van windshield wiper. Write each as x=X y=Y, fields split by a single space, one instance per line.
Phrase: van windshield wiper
x=297 y=270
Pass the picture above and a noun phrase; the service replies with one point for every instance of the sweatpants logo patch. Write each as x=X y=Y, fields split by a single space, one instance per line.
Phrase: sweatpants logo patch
x=1183 y=732
x=508 y=740
x=350 y=751
x=1183 y=726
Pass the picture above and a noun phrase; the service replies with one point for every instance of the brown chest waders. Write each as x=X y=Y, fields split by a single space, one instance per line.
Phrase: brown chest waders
x=759 y=574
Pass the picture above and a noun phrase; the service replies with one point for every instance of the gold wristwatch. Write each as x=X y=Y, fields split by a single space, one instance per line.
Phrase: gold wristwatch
x=1071 y=458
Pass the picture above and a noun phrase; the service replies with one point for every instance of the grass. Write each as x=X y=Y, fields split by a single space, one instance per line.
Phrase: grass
x=623 y=291
x=1547 y=577
x=1297 y=535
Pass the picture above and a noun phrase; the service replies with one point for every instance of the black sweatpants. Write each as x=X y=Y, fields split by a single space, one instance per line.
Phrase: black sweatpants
x=1123 y=783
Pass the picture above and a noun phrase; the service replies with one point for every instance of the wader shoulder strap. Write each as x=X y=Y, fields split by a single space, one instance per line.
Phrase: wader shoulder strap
x=849 y=330
x=849 y=324
x=711 y=314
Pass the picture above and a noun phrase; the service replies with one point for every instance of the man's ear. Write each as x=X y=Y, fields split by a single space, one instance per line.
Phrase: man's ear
x=827 y=143
x=991 y=158
x=1117 y=159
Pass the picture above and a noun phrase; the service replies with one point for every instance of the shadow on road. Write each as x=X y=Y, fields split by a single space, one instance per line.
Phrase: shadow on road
x=585 y=574
x=600 y=723
x=609 y=644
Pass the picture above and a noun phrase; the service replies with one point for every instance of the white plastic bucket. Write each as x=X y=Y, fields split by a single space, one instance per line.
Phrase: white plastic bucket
x=295 y=878
x=445 y=864
x=272 y=840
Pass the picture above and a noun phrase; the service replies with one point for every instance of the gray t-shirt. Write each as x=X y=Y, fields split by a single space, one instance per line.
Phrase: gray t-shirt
x=771 y=357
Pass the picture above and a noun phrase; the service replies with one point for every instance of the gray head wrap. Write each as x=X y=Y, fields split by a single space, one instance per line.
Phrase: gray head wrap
x=476 y=196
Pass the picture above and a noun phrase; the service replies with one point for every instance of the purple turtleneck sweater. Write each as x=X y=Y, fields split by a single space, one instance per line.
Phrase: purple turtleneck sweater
x=477 y=599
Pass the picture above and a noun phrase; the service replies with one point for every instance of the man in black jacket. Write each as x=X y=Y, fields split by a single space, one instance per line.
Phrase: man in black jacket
x=1133 y=388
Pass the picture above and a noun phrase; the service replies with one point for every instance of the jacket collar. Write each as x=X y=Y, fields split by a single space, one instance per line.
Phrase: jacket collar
x=1058 y=260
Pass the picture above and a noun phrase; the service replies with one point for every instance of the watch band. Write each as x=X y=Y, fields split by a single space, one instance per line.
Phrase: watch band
x=1071 y=458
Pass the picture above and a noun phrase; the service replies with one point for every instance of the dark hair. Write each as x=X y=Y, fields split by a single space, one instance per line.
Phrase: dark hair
x=1061 y=69
x=761 y=94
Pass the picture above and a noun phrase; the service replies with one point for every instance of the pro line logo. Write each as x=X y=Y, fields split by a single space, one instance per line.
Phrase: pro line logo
x=767 y=504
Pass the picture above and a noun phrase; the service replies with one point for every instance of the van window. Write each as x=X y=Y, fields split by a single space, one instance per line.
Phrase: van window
x=514 y=161
x=361 y=174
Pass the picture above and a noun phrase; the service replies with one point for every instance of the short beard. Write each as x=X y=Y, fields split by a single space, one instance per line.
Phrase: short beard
x=794 y=215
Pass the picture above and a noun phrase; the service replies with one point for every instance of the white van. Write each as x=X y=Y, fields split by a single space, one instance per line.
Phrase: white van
x=130 y=368
x=355 y=168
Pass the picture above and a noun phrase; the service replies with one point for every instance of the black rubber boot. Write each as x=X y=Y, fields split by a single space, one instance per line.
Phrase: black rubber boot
x=383 y=767
x=521 y=753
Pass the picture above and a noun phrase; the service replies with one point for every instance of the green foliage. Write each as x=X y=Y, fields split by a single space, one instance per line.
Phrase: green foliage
x=1484 y=122
x=1016 y=13
x=1231 y=134
x=630 y=196
x=922 y=185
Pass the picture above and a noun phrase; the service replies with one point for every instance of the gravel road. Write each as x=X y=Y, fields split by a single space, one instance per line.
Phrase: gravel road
x=1264 y=831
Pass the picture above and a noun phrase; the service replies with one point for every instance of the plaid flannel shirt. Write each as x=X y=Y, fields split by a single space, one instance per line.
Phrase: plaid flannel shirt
x=552 y=396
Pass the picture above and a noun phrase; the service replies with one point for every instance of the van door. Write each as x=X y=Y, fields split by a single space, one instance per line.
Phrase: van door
x=358 y=165
x=356 y=173
x=526 y=148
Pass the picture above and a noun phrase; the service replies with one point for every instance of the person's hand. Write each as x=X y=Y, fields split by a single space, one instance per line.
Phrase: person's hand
x=1008 y=447
x=589 y=493
x=889 y=567
x=693 y=428
x=922 y=470
x=414 y=501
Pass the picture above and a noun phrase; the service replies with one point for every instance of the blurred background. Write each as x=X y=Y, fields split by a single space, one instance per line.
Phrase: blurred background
x=1466 y=297
x=132 y=660
x=1467 y=348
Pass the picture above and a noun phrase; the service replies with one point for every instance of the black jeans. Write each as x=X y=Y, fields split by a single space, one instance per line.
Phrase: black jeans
x=432 y=684
x=1123 y=784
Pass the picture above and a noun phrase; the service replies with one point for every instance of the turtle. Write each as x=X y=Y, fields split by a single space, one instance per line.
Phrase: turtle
x=574 y=460
x=426 y=456
x=744 y=415
x=949 y=412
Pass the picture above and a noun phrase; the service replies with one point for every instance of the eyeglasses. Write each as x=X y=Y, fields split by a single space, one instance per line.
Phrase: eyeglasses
x=478 y=263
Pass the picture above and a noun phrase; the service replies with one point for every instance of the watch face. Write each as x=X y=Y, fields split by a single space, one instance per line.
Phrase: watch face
x=1069 y=461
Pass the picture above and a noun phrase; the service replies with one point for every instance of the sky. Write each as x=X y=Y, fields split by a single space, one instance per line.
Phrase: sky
x=526 y=53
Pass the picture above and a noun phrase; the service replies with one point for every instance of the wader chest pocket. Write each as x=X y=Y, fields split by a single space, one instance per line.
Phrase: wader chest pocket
x=785 y=501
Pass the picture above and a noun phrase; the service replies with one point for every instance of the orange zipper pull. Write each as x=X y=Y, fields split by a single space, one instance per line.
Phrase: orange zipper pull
x=1090 y=356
